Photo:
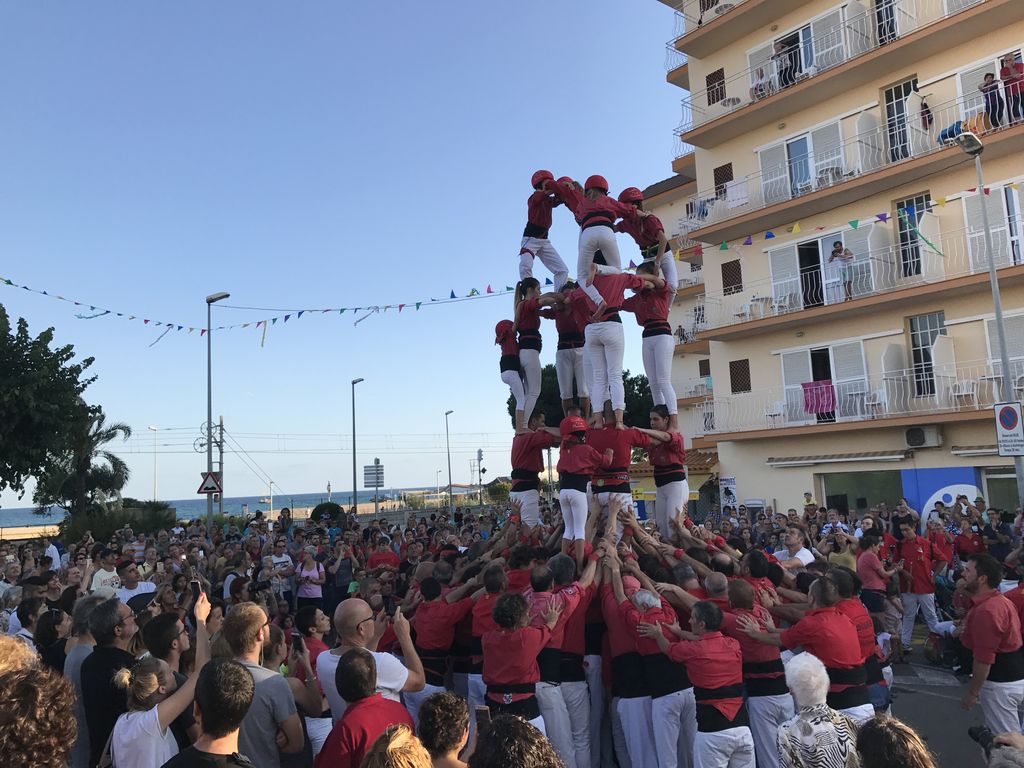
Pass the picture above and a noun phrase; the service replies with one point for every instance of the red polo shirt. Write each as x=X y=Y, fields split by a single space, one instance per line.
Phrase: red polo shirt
x=943 y=546
x=968 y=544
x=510 y=657
x=518 y=580
x=643 y=229
x=991 y=626
x=621 y=441
x=830 y=636
x=574 y=640
x=538 y=209
x=353 y=735
x=918 y=556
x=435 y=622
x=712 y=661
x=853 y=609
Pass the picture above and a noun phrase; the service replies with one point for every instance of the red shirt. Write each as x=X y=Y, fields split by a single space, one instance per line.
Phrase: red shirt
x=353 y=735
x=712 y=661
x=830 y=636
x=570 y=329
x=567 y=597
x=752 y=650
x=518 y=580
x=853 y=609
x=968 y=544
x=538 y=209
x=650 y=306
x=528 y=451
x=315 y=647
x=603 y=209
x=991 y=626
x=613 y=287
x=510 y=657
x=574 y=640
x=621 y=441
x=581 y=308
x=942 y=545
x=580 y=459
x=377 y=559
x=918 y=555
x=667 y=455
x=509 y=344
x=869 y=569
x=435 y=622
x=620 y=636
x=1016 y=596
x=643 y=229
x=663 y=614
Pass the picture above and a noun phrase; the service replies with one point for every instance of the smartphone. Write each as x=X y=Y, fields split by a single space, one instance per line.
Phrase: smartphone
x=297 y=642
x=483 y=719
x=196 y=589
x=159 y=566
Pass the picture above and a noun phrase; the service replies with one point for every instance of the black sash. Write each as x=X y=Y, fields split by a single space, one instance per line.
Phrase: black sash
x=656 y=328
x=1007 y=668
x=525 y=480
x=529 y=338
x=535 y=230
x=628 y=676
x=572 y=670
x=570 y=481
x=509 y=363
x=709 y=718
x=549 y=662
x=435 y=665
x=664 y=676
x=668 y=473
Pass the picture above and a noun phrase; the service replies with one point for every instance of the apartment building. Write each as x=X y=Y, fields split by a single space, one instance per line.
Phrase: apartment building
x=866 y=374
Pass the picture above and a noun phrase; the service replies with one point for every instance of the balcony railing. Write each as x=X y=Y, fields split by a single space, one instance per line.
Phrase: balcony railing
x=801 y=167
x=693 y=14
x=699 y=386
x=695 y=275
x=693 y=323
x=926 y=390
x=840 y=36
x=918 y=259
x=674 y=58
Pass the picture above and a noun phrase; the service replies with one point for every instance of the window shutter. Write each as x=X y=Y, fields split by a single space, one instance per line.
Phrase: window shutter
x=774 y=175
x=723 y=175
x=760 y=58
x=739 y=376
x=796 y=369
x=1014 y=325
x=973 y=102
x=732 y=277
x=848 y=361
x=715 y=83
x=993 y=203
x=827 y=33
x=860 y=28
x=784 y=264
x=704 y=367
x=827 y=145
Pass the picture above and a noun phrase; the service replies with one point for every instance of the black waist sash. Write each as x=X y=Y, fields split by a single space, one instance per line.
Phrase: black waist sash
x=572 y=670
x=525 y=480
x=712 y=720
x=628 y=676
x=549 y=662
x=529 y=338
x=593 y=635
x=570 y=481
x=668 y=473
x=535 y=230
x=765 y=686
x=435 y=664
x=855 y=695
x=570 y=340
x=596 y=219
x=509 y=363
x=1007 y=668
x=656 y=328
x=663 y=676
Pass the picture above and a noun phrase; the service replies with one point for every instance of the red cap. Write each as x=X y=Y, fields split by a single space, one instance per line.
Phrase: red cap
x=572 y=424
x=540 y=177
x=597 y=182
x=631 y=195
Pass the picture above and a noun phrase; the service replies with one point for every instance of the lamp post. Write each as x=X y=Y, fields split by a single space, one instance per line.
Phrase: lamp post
x=972 y=146
x=156 y=454
x=210 y=301
x=353 y=497
x=448 y=450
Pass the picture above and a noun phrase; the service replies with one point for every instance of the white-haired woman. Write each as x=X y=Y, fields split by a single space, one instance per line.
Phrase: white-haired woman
x=818 y=736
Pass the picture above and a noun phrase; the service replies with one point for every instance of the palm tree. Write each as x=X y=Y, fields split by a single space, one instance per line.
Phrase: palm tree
x=87 y=473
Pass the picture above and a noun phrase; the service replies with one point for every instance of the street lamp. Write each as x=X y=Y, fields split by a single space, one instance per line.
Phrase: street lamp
x=353 y=497
x=210 y=301
x=156 y=448
x=448 y=449
x=972 y=146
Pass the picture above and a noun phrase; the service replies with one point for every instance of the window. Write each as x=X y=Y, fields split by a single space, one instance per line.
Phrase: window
x=739 y=376
x=896 y=119
x=910 y=246
x=798 y=157
x=704 y=367
x=1013 y=218
x=732 y=277
x=723 y=175
x=924 y=329
x=715 y=82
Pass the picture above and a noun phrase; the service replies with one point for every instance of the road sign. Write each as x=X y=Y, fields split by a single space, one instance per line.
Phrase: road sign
x=373 y=476
x=1009 y=429
x=211 y=483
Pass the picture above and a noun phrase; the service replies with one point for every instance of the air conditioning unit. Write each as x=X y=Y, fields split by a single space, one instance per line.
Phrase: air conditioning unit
x=922 y=437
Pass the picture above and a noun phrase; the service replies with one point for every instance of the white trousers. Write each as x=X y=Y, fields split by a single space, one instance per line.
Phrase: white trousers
x=529 y=359
x=669 y=271
x=477 y=698
x=860 y=714
x=1002 y=705
x=638 y=731
x=675 y=725
x=529 y=506
x=514 y=380
x=669 y=499
x=911 y=605
x=767 y=713
x=657 y=356
x=541 y=248
x=569 y=367
x=556 y=721
x=574 y=513
x=606 y=344
x=595 y=687
x=576 y=696
x=731 y=748
x=413 y=701
x=593 y=240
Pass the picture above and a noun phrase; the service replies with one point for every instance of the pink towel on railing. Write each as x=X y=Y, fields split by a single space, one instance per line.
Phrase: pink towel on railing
x=819 y=396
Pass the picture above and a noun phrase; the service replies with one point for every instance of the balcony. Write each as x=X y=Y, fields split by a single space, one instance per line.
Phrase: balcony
x=821 y=170
x=848 y=47
x=677 y=68
x=693 y=391
x=704 y=26
x=691 y=280
x=945 y=392
x=881 y=273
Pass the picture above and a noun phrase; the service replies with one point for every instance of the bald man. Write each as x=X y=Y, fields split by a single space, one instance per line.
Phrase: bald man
x=357 y=627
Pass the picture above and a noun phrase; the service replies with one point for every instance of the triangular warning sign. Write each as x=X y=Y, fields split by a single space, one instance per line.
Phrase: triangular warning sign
x=210 y=483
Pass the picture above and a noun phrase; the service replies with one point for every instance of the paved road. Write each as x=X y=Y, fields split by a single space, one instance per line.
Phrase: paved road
x=928 y=699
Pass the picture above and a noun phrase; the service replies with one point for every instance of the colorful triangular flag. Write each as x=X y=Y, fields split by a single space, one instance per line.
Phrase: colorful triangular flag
x=749 y=240
x=202 y=331
x=144 y=322
x=796 y=228
x=547 y=281
x=453 y=295
x=769 y=235
x=632 y=264
x=286 y=318
x=489 y=288
x=507 y=288
x=854 y=223
x=1014 y=185
x=273 y=321
x=300 y=314
x=883 y=217
x=940 y=201
x=724 y=246
x=341 y=311
x=418 y=305
x=401 y=307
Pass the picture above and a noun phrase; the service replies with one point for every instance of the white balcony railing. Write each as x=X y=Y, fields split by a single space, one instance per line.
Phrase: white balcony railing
x=693 y=276
x=698 y=386
x=834 y=39
x=925 y=390
x=693 y=323
x=917 y=259
x=693 y=14
x=797 y=168
x=674 y=58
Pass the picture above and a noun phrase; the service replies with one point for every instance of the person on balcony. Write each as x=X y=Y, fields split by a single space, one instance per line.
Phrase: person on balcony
x=762 y=86
x=994 y=104
x=845 y=257
x=1011 y=72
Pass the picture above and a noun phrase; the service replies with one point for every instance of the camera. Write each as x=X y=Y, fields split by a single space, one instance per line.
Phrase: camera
x=984 y=737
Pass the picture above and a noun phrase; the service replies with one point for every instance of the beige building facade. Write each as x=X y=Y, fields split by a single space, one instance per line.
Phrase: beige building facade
x=866 y=371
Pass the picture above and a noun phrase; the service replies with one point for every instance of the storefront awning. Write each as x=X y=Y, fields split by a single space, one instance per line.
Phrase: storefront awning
x=837 y=458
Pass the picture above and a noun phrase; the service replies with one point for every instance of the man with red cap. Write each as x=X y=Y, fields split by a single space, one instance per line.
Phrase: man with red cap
x=528 y=463
x=596 y=214
x=535 y=237
x=714 y=663
x=648 y=233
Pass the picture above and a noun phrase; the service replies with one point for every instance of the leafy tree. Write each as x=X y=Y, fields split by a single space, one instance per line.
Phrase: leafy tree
x=498 y=491
x=638 y=398
x=334 y=510
x=86 y=475
x=40 y=401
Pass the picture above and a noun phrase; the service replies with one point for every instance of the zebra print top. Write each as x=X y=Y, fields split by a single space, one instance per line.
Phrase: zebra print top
x=818 y=737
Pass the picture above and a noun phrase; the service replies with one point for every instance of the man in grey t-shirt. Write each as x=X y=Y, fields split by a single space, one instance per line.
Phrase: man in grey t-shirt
x=73 y=672
x=273 y=706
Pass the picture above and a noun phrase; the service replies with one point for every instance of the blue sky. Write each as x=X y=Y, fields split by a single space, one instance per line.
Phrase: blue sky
x=307 y=155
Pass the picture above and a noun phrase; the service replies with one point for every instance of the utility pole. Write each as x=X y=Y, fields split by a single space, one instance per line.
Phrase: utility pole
x=480 y=472
x=220 y=465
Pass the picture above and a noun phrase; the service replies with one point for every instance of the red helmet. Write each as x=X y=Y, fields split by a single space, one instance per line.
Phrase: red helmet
x=502 y=330
x=565 y=180
x=631 y=195
x=597 y=182
x=572 y=424
x=540 y=177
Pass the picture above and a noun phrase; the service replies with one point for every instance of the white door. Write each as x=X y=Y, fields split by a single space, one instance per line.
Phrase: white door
x=796 y=369
x=995 y=206
x=860 y=27
x=831 y=271
x=759 y=64
x=829 y=42
x=829 y=162
x=784 y=264
x=849 y=379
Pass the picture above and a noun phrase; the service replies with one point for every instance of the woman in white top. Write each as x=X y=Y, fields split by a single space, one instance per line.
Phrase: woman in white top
x=141 y=737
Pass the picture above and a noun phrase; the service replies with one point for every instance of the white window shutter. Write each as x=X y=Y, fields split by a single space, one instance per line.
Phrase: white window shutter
x=784 y=264
x=829 y=45
x=994 y=207
x=973 y=102
x=774 y=174
x=760 y=58
x=827 y=143
x=848 y=361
